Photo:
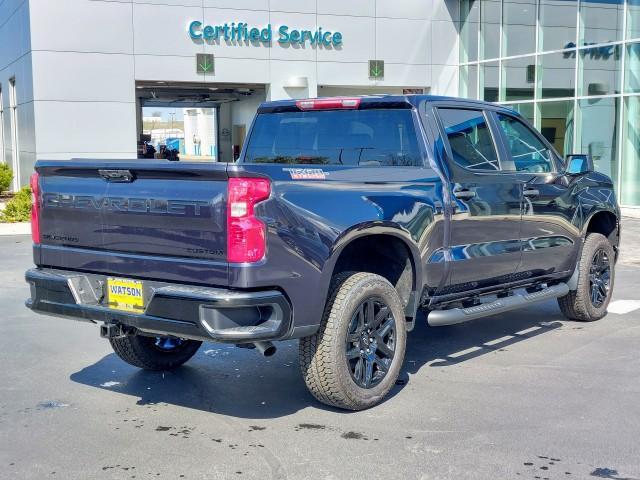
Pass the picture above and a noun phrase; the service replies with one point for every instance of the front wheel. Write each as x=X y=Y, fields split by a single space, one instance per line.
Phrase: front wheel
x=590 y=300
x=354 y=359
x=154 y=353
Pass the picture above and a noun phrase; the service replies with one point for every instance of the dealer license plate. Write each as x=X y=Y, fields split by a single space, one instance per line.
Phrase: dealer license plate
x=124 y=294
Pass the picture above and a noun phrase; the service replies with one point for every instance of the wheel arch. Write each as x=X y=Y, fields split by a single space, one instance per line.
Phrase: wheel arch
x=606 y=223
x=354 y=249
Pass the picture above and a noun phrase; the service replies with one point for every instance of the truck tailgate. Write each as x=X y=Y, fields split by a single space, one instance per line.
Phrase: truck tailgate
x=148 y=218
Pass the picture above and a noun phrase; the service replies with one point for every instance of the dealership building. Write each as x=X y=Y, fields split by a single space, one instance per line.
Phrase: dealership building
x=154 y=78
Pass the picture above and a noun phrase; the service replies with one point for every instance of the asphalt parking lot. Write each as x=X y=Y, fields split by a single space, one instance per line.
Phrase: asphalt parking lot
x=524 y=395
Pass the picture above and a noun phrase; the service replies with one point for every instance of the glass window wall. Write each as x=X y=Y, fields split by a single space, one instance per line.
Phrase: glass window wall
x=519 y=26
x=570 y=67
x=632 y=71
x=469 y=81
x=524 y=109
x=599 y=70
x=601 y=21
x=556 y=124
x=489 y=81
x=596 y=132
x=633 y=19
x=629 y=193
x=557 y=74
x=518 y=78
x=557 y=24
x=470 y=25
x=490 y=13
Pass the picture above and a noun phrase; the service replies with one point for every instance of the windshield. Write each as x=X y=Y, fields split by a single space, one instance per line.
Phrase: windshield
x=339 y=137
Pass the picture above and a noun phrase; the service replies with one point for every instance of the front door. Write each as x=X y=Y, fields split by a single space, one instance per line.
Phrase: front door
x=550 y=239
x=483 y=246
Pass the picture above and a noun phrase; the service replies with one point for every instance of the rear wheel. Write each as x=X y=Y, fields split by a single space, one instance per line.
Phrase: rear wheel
x=354 y=359
x=154 y=353
x=595 y=281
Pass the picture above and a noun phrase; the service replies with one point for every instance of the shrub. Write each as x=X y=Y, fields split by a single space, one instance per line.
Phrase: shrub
x=6 y=175
x=18 y=209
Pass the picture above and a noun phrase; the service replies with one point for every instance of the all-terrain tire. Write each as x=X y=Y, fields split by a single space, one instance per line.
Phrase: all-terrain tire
x=577 y=304
x=323 y=356
x=142 y=352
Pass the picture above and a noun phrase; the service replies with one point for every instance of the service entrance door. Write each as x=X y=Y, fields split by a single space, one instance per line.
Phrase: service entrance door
x=196 y=122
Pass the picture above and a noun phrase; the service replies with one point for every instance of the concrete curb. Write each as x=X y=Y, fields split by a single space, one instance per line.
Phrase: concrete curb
x=23 y=228
x=630 y=212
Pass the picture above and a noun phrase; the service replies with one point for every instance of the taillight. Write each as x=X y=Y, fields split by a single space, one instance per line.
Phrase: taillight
x=34 y=183
x=337 y=103
x=246 y=235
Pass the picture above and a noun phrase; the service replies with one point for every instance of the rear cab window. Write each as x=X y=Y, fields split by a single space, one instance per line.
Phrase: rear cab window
x=368 y=137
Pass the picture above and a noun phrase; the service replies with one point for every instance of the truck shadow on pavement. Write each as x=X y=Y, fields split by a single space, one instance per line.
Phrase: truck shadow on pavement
x=239 y=382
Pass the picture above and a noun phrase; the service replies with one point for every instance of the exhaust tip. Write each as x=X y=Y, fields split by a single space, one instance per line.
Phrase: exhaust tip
x=267 y=349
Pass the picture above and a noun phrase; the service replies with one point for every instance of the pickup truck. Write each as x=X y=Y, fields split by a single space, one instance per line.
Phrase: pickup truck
x=343 y=223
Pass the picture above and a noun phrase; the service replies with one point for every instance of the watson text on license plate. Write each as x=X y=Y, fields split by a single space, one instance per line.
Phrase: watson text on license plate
x=125 y=294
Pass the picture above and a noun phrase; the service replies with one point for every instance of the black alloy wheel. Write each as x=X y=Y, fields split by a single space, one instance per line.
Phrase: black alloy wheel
x=599 y=278
x=371 y=342
x=589 y=299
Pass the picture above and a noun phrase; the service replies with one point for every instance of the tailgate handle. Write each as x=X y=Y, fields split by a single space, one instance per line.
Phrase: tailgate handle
x=116 y=175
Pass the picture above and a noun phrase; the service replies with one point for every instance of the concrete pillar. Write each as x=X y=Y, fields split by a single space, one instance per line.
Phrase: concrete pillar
x=207 y=131
x=190 y=128
x=224 y=133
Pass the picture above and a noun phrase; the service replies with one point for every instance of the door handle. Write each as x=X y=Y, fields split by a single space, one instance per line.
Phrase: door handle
x=464 y=194
x=531 y=192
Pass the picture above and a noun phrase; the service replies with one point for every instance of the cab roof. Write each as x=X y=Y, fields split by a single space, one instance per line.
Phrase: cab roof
x=381 y=101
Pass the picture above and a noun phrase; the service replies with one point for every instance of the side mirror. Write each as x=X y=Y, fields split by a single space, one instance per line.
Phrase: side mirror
x=577 y=163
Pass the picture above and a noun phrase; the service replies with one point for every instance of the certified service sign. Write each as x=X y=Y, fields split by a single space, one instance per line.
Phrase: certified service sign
x=241 y=32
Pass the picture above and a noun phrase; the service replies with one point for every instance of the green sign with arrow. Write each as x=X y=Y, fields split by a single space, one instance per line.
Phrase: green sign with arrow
x=376 y=68
x=204 y=63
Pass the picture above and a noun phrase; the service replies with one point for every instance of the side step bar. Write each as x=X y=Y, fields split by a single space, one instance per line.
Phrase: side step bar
x=438 y=318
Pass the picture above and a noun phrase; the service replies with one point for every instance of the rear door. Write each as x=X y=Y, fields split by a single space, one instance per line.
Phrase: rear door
x=483 y=247
x=550 y=239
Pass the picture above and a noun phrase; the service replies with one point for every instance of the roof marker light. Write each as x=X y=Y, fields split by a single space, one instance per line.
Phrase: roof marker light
x=336 y=103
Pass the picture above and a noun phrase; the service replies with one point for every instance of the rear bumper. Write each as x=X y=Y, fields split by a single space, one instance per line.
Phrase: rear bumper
x=185 y=311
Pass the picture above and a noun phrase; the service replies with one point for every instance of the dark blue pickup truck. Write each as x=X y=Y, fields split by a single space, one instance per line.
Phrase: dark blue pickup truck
x=343 y=219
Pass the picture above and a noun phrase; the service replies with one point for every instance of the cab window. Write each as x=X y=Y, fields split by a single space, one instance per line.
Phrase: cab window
x=470 y=139
x=528 y=151
x=370 y=137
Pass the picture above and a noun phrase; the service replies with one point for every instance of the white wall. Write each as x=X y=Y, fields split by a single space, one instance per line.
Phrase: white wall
x=445 y=26
x=84 y=87
x=411 y=36
x=15 y=62
x=243 y=111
